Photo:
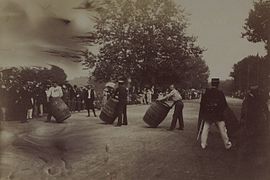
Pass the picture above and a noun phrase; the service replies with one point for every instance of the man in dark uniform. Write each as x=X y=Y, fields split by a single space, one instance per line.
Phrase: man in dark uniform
x=178 y=110
x=78 y=98
x=89 y=98
x=213 y=104
x=253 y=113
x=21 y=103
x=3 y=101
x=121 y=95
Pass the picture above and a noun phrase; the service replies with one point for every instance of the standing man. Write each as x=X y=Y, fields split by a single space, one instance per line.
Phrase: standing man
x=213 y=104
x=121 y=95
x=78 y=98
x=178 y=110
x=54 y=92
x=29 y=100
x=40 y=98
x=72 y=99
x=149 y=94
x=89 y=98
x=20 y=105
x=254 y=113
x=3 y=101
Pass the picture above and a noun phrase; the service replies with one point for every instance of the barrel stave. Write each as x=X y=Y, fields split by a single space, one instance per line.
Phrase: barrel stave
x=156 y=113
x=108 y=112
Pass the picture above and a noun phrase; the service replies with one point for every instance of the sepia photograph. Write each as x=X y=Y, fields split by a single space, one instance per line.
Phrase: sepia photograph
x=134 y=89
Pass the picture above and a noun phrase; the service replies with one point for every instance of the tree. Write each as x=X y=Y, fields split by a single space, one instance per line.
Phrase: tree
x=146 y=41
x=21 y=75
x=251 y=70
x=227 y=86
x=41 y=74
x=257 y=26
x=57 y=74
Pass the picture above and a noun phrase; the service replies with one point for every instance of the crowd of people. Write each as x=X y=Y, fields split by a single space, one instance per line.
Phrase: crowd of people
x=213 y=110
x=28 y=100
x=148 y=95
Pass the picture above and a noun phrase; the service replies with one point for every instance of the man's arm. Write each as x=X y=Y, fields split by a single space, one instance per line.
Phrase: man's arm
x=61 y=92
x=166 y=96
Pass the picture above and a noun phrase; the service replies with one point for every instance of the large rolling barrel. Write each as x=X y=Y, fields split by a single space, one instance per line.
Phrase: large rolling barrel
x=156 y=113
x=108 y=112
x=59 y=109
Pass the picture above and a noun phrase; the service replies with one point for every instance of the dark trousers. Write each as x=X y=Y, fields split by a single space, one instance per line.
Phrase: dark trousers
x=89 y=103
x=78 y=106
x=72 y=104
x=178 y=115
x=49 y=109
x=22 y=112
x=49 y=116
x=122 y=114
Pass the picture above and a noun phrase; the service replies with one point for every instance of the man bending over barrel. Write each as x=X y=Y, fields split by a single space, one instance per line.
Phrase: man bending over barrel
x=54 y=92
x=178 y=110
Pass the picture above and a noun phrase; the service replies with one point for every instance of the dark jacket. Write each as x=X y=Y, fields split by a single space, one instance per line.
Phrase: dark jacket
x=253 y=113
x=40 y=96
x=121 y=94
x=3 y=97
x=92 y=95
x=209 y=112
x=28 y=99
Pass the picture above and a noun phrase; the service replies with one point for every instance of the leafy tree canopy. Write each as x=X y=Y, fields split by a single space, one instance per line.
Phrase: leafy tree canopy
x=22 y=75
x=257 y=26
x=249 y=71
x=146 y=41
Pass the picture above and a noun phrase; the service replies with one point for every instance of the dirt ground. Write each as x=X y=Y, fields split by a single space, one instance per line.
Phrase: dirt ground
x=84 y=148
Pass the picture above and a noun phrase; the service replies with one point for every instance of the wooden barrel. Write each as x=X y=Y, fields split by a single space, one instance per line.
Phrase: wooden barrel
x=108 y=112
x=59 y=109
x=156 y=113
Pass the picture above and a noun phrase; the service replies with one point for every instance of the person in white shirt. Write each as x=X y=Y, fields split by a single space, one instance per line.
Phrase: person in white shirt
x=149 y=96
x=53 y=92
x=178 y=111
x=89 y=98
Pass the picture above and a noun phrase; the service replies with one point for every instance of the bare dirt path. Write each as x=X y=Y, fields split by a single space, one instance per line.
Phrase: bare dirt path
x=84 y=149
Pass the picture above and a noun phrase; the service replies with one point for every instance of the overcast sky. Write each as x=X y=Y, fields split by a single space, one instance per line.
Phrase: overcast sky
x=30 y=26
x=218 y=25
